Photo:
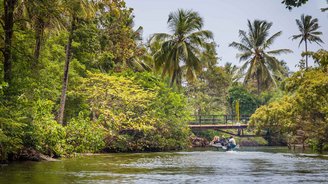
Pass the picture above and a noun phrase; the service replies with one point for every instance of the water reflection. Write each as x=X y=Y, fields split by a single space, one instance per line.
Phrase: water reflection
x=246 y=166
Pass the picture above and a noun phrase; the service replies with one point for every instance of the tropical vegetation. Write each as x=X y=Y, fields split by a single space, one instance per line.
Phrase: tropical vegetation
x=76 y=77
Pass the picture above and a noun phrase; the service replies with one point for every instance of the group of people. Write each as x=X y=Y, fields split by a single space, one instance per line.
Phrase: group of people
x=230 y=143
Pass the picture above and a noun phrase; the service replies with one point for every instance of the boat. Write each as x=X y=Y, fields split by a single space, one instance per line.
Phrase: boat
x=229 y=149
x=217 y=145
x=224 y=147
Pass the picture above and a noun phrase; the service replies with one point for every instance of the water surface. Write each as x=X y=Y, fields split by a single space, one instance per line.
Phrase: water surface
x=251 y=165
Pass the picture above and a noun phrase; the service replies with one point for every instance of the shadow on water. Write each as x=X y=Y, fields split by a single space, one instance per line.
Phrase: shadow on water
x=255 y=165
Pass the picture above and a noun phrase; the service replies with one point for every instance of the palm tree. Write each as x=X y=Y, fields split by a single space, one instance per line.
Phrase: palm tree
x=40 y=15
x=180 y=51
x=260 y=63
x=76 y=10
x=43 y=15
x=233 y=72
x=309 y=32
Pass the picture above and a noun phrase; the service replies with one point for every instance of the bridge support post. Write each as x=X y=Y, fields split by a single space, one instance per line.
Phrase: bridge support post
x=239 y=131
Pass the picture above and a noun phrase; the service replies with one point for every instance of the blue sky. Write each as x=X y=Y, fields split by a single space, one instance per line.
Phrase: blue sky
x=225 y=17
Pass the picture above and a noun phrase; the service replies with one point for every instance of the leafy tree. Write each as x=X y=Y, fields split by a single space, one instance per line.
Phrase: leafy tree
x=303 y=109
x=120 y=44
x=320 y=57
x=248 y=102
x=293 y=3
x=274 y=120
x=260 y=63
x=137 y=114
x=308 y=28
x=184 y=45
x=208 y=94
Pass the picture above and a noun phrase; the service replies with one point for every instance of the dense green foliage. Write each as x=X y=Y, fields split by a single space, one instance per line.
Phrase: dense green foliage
x=141 y=113
x=137 y=114
x=304 y=108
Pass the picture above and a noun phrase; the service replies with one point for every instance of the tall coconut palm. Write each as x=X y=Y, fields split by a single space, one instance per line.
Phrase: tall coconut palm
x=75 y=10
x=309 y=32
x=180 y=51
x=260 y=63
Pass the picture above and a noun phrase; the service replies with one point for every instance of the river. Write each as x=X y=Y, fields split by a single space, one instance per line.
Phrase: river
x=249 y=165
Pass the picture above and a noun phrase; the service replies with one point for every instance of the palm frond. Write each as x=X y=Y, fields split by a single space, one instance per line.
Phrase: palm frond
x=157 y=37
x=244 y=56
x=270 y=41
x=241 y=47
x=280 y=51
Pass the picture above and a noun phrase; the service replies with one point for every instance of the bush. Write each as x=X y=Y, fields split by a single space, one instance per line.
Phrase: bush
x=45 y=134
x=83 y=135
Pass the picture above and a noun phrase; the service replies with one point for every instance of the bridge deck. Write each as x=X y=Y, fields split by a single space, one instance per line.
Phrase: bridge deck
x=218 y=126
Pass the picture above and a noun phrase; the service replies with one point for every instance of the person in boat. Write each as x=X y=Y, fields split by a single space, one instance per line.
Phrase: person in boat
x=216 y=140
x=224 y=141
x=231 y=143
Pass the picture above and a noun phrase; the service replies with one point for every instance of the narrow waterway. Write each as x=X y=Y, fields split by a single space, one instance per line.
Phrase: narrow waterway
x=252 y=165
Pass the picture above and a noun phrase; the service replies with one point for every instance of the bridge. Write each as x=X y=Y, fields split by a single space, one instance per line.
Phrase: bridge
x=221 y=123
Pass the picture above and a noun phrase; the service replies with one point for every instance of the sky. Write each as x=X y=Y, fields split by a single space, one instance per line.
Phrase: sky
x=226 y=17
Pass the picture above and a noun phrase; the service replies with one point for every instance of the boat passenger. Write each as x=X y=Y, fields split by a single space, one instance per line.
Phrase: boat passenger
x=215 y=140
x=224 y=141
x=232 y=143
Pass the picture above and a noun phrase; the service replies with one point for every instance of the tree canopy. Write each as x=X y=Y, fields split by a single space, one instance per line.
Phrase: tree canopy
x=294 y=3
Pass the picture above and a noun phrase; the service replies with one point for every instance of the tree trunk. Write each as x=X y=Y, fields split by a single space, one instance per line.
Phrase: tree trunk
x=306 y=56
x=258 y=83
x=60 y=116
x=9 y=6
x=173 y=79
x=38 y=40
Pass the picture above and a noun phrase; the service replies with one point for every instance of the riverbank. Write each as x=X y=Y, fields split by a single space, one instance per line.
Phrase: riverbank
x=29 y=154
